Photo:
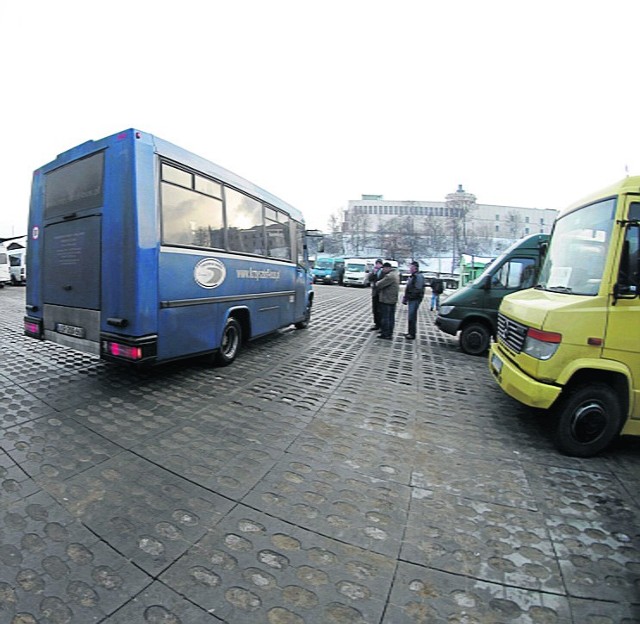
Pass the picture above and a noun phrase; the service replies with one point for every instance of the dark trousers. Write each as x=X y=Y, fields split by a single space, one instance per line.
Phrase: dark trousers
x=387 y=319
x=413 y=305
x=375 y=308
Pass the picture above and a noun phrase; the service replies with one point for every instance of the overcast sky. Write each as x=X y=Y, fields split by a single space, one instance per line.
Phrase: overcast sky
x=530 y=104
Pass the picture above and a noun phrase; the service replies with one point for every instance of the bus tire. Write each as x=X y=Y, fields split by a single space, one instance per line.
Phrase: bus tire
x=475 y=339
x=230 y=343
x=304 y=323
x=589 y=418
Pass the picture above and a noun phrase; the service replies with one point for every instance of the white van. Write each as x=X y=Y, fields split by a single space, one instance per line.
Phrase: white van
x=356 y=271
x=18 y=266
x=5 y=275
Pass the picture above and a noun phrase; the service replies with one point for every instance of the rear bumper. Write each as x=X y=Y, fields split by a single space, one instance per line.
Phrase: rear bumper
x=322 y=279
x=78 y=344
x=518 y=384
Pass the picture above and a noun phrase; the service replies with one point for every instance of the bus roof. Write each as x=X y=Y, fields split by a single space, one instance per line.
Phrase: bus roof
x=630 y=184
x=179 y=155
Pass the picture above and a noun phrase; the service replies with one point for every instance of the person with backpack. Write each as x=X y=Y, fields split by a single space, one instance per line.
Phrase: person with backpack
x=437 y=288
x=413 y=296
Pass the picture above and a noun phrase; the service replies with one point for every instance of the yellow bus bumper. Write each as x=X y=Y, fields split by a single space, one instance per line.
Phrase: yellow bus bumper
x=519 y=385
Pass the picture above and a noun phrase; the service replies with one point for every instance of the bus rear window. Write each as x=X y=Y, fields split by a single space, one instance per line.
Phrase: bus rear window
x=76 y=186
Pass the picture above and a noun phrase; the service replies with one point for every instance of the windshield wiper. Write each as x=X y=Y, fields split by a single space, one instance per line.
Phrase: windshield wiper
x=560 y=289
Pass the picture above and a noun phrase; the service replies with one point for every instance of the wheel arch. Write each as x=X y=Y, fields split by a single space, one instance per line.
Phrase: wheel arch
x=478 y=318
x=243 y=316
x=616 y=379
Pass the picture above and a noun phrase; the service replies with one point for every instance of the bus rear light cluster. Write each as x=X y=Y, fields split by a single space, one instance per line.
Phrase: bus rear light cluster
x=137 y=350
x=118 y=350
x=33 y=327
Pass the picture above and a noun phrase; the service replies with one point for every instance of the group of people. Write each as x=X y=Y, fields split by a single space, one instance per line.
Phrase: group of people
x=385 y=288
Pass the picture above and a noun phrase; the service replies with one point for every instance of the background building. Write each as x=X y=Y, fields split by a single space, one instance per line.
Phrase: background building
x=374 y=226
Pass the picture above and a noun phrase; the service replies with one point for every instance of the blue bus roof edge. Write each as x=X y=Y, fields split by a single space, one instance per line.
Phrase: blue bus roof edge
x=180 y=155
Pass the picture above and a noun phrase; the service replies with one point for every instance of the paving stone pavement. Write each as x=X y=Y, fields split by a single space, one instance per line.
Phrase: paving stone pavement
x=326 y=477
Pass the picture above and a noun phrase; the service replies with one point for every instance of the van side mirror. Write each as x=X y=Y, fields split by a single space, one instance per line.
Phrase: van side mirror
x=485 y=284
x=318 y=237
x=543 y=250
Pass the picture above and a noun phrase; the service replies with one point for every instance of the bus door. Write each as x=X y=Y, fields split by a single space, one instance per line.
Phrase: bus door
x=301 y=288
x=622 y=339
x=304 y=276
x=71 y=279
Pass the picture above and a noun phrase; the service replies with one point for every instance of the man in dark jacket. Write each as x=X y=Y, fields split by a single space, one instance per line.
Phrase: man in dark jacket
x=374 y=275
x=437 y=288
x=388 y=287
x=413 y=296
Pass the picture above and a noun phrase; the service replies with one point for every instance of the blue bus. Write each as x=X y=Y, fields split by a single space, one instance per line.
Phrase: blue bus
x=142 y=252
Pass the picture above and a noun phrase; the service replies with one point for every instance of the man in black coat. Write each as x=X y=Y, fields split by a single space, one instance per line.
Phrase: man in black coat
x=413 y=296
x=374 y=275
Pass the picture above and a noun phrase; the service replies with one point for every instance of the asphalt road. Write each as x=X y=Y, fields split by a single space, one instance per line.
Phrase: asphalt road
x=326 y=477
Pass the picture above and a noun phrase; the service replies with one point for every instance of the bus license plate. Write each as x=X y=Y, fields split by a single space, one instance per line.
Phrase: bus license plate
x=496 y=363
x=70 y=330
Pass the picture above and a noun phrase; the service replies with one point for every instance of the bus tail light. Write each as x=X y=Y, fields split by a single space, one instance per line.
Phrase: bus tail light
x=128 y=348
x=117 y=350
x=541 y=345
x=32 y=327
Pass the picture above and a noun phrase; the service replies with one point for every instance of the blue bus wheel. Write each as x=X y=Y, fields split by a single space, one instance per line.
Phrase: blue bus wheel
x=230 y=343
x=304 y=323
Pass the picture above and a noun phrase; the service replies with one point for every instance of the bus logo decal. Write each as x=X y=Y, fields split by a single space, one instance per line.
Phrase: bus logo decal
x=209 y=273
x=257 y=274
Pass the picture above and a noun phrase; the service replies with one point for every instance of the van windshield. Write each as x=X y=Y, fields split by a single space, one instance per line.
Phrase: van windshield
x=575 y=260
x=324 y=264
x=356 y=267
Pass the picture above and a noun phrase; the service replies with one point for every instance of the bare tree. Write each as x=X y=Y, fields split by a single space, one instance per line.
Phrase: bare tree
x=480 y=240
x=360 y=233
x=514 y=224
x=459 y=205
x=436 y=237
x=334 y=244
x=335 y=222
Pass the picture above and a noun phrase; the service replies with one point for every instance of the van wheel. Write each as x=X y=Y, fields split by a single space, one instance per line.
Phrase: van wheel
x=230 y=343
x=475 y=339
x=589 y=418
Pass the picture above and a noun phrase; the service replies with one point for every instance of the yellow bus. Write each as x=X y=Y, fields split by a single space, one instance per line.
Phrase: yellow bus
x=571 y=344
